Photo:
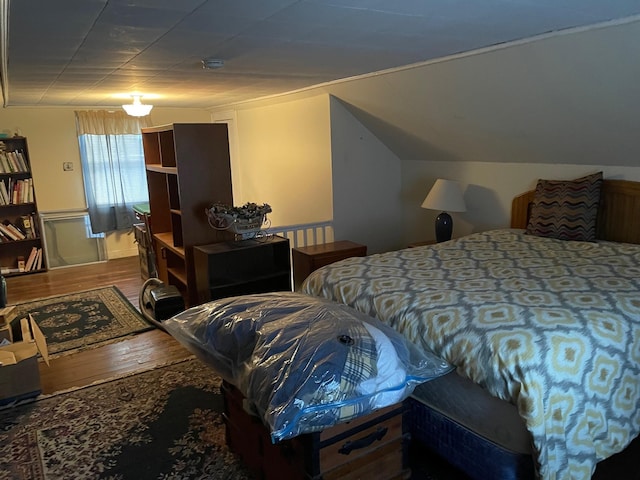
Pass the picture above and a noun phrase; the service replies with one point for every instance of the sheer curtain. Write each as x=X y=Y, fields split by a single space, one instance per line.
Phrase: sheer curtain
x=112 y=167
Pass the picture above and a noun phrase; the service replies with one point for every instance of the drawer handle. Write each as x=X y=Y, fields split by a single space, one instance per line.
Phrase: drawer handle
x=363 y=442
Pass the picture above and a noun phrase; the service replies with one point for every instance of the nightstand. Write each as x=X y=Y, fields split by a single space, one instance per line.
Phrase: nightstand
x=307 y=259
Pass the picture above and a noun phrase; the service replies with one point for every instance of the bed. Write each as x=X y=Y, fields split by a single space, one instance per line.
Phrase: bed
x=544 y=332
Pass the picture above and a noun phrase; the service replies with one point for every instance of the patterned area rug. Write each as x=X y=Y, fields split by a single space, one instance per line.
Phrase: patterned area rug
x=83 y=320
x=160 y=424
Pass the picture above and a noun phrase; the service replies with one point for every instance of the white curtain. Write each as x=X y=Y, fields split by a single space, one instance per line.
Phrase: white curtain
x=112 y=167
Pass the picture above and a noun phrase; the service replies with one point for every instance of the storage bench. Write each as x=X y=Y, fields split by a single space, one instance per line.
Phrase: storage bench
x=370 y=446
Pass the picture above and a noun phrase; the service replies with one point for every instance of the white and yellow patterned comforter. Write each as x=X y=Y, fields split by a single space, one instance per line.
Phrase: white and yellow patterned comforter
x=552 y=326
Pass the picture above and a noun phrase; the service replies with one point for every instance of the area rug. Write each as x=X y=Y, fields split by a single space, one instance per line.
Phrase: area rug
x=164 y=423
x=82 y=320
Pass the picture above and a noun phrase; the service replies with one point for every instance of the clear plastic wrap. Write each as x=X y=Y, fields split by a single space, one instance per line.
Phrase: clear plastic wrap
x=304 y=363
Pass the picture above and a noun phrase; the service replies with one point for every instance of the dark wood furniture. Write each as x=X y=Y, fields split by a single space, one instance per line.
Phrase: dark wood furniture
x=18 y=210
x=226 y=269
x=370 y=446
x=307 y=259
x=188 y=169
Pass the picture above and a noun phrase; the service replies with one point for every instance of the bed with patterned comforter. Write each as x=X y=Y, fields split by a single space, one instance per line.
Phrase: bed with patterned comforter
x=552 y=326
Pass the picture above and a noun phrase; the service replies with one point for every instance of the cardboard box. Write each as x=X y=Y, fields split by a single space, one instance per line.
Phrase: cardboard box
x=19 y=370
x=6 y=315
x=5 y=333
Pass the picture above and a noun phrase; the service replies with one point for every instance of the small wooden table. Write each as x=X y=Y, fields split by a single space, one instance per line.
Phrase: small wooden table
x=307 y=259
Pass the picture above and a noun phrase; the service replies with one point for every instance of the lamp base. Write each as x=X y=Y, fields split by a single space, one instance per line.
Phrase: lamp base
x=444 y=227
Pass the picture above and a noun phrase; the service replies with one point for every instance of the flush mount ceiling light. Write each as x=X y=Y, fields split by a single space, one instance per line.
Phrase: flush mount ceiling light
x=137 y=108
x=211 y=63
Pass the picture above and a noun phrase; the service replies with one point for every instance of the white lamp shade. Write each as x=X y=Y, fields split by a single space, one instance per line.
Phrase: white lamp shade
x=137 y=108
x=445 y=195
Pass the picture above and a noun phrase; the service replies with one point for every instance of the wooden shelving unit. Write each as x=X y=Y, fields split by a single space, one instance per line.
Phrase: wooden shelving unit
x=227 y=269
x=23 y=206
x=188 y=169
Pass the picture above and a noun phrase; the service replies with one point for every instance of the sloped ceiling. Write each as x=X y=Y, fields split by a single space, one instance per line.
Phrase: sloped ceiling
x=93 y=52
x=569 y=97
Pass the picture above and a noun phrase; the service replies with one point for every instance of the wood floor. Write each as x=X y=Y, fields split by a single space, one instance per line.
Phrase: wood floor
x=140 y=352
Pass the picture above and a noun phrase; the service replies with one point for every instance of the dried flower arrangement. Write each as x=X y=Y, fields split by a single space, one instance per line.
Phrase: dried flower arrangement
x=246 y=220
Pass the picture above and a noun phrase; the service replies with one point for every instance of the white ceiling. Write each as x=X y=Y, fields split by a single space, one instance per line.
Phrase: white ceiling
x=88 y=52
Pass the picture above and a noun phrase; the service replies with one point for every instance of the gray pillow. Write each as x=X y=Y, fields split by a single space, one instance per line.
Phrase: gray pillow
x=566 y=209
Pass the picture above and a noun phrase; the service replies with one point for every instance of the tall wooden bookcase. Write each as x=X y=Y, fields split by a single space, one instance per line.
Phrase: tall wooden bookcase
x=18 y=209
x=188 y=169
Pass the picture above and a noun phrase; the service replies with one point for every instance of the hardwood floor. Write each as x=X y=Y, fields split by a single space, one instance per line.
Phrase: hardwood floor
x=141 y=352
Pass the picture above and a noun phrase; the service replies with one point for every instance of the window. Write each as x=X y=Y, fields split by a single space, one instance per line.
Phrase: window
x=112 y=168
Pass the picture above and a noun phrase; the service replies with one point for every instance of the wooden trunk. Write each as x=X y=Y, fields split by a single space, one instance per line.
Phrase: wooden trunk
x=370 y=446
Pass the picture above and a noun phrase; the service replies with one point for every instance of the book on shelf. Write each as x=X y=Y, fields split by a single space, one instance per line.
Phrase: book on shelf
x=8 y=233
x=38 y=260
x=15 y=192
x=6 y=270
x=22 y=162
x=11 y=231
x=18 y=233
x=26 y=224
x=31 y=261
x=13 y=162
x=4 y=163
x=4 y=193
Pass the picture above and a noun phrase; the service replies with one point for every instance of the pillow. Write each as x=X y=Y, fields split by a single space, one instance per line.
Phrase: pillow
x=566 y=210
x=304 y=363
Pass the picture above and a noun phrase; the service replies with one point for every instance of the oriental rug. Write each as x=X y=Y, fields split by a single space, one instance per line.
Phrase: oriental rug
x=165 y=423
x=82 y=320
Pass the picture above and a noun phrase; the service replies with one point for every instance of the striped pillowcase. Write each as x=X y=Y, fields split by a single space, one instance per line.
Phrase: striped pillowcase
x=566 y=210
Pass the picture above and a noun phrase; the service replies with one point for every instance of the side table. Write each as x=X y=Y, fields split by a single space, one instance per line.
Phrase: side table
x=307 y=259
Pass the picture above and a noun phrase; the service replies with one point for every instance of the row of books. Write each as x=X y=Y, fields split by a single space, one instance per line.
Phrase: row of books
x=22 y=229
x=13 y=192
x=12 y=162
x=33 y=262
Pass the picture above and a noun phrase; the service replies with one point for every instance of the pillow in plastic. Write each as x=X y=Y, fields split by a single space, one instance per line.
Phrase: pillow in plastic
x=304 y=363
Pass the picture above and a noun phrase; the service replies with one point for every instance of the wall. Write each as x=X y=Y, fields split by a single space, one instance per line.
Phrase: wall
x=488 y=188
x=312 y=161
x=52 y=140
x=283 y=158
x=367 y=184
x=556 y=106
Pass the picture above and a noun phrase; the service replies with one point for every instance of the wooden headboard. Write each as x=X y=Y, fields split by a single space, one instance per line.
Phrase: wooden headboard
x=618 y=213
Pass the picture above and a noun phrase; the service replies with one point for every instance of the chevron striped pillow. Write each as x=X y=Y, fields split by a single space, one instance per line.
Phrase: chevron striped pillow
x=566 y=210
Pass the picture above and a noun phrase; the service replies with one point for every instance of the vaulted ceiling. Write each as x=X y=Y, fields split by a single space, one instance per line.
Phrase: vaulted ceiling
x=97 y=52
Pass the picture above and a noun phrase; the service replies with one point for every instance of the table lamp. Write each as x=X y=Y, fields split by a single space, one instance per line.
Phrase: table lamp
x=444 y=195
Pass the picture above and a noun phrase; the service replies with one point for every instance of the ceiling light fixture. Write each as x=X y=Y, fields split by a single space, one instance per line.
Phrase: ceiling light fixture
x=137 y=108
x=211 y=63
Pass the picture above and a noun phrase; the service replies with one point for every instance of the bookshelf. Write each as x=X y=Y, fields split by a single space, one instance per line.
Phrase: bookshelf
x=188 y=169
x=226 y=269
x=21 y=246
